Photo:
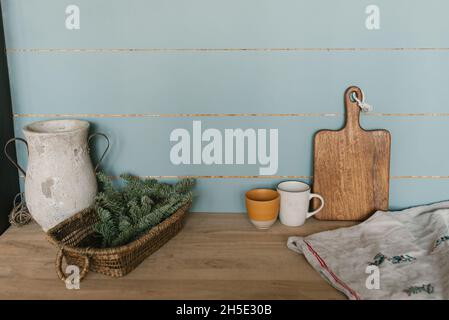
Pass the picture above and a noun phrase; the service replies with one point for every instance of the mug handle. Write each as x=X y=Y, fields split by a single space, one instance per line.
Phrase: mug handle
x=105 y=151
x=5 y=150
x=311 y=196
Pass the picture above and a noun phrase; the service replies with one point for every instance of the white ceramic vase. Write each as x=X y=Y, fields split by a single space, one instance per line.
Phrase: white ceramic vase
x=60 y=179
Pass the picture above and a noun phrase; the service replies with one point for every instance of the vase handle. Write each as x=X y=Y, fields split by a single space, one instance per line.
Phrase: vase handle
x=5 y=150
x=105 y=151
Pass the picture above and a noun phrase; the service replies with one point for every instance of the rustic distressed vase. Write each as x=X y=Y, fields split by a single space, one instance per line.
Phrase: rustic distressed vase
x=60 y=179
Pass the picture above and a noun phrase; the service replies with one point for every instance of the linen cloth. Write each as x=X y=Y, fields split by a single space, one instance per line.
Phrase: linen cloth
x=408 y=250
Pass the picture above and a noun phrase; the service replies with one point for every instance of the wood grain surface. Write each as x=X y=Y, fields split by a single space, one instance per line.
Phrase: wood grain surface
x=352 y=167
x=216 y=256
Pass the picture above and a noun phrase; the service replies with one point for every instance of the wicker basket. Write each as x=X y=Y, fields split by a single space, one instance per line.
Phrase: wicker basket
x=76 y=242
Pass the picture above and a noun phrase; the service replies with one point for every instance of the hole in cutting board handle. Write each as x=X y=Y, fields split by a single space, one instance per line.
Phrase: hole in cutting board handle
x=352 y=96
x=353 y=93
x=352 y=109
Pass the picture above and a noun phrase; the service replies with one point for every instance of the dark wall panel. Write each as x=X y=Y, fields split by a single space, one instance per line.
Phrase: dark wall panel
x=9 y=180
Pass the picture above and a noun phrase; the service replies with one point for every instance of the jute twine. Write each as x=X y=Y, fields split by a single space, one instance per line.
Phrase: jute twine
x=19 y=215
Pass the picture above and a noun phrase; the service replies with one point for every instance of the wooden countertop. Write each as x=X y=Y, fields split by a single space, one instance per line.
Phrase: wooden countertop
x=215 y=256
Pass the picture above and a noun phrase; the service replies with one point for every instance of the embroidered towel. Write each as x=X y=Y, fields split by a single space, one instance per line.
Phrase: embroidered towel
x=392 y=255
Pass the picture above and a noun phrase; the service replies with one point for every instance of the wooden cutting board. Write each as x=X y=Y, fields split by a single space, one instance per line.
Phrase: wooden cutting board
x=351 y=167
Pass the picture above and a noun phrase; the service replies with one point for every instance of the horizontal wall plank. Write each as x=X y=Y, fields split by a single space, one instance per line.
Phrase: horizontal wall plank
x=227 y=195
x=225 y=24
x=141 y=146
x=177 y=83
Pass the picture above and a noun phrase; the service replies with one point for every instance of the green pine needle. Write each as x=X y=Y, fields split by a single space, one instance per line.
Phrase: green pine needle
x=127 y=213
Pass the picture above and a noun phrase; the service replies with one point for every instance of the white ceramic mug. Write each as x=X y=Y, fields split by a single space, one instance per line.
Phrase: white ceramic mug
x=295 y=199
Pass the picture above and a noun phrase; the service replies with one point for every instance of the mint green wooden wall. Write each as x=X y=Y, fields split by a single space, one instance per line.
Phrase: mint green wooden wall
x=137 y=69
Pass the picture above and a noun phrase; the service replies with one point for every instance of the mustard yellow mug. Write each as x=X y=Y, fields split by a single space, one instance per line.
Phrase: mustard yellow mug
x=263 y=207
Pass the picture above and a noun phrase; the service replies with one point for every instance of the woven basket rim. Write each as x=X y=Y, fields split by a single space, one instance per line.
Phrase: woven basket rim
x=179 y=214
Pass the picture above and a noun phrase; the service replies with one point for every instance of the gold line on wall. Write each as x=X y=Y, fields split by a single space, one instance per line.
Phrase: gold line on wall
x=419 y=177
x=422 y=114
x=217 y=115
x=280 y=177
x=270 y=177
x=149 y=50
x=173 y=115
x=227 y=177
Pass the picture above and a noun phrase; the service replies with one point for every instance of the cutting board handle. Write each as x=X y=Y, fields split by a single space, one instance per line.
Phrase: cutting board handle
x=352 y=108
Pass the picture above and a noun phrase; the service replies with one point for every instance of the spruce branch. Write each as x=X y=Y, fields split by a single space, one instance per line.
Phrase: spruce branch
x=127 y=213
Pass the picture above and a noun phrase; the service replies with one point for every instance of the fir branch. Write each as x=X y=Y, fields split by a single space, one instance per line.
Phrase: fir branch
x=127 y=213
